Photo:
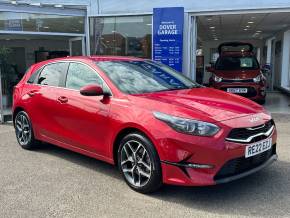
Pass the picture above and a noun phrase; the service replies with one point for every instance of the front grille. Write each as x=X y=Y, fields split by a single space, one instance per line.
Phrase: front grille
x=251 y=91
x=240 y=165
x=242 y=134
x=237 y=80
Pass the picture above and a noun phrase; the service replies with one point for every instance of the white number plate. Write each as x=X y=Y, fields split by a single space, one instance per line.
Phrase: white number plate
x=258 y=147
x=237 y=90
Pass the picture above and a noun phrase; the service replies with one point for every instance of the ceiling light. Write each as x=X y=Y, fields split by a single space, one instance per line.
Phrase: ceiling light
x=13 y=2
x=215 y=39
x=58 y=6
x=46 y=27
x=209 y=19
x=248 y=26
x=245 y=29
x=250 y=21
x=253 y=17
x=149 y=24
x=212 y=27
x=258 y=31
x=35 y=4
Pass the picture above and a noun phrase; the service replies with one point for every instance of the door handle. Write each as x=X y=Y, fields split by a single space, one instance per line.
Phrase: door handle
x=32 y=92
x=62 y=99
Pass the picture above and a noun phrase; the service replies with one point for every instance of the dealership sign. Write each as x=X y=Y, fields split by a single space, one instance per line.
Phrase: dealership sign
x=168 y=36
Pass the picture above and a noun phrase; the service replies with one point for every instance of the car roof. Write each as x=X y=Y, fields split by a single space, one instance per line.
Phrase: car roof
x=89 y=58
x=97 y=58
x=86 y=58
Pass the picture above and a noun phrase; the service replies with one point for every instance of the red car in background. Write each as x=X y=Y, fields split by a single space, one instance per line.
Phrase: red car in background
x=238 y=71
x=156 y=125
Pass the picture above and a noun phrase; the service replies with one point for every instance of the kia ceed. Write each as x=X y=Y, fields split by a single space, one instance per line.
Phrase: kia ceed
x=237 y=71
x=156 y=125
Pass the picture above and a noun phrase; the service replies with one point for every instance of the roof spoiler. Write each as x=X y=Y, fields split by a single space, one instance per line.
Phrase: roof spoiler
x=235 y=44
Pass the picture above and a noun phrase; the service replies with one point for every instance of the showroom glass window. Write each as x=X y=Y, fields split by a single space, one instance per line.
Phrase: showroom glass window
x=15 y=21
x=125 y=36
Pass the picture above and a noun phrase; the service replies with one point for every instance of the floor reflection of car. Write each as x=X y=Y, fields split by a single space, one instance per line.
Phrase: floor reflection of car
x=238 y=71
x=154 y=123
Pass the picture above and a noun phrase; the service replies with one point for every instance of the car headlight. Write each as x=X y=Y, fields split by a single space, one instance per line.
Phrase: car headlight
x=257 y=79
x=217 y=79
x=188 y=126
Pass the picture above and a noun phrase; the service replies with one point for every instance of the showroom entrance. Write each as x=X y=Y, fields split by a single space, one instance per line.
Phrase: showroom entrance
x=268 y=32
x=19 y=51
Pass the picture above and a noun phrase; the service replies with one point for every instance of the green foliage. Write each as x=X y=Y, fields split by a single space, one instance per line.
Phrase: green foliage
x=4 y=53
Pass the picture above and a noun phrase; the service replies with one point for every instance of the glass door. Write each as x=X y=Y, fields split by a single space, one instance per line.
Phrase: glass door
x=7 y=82
x=77 y=46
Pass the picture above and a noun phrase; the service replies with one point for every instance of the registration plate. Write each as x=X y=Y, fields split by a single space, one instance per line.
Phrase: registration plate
x=258 y=147
x=237 y=90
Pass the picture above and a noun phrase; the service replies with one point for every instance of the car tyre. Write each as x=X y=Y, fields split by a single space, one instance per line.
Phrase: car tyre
x=139 y=163
x=24 y=131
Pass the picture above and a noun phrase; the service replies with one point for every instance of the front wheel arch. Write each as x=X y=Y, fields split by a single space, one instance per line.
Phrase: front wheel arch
x=121 y=134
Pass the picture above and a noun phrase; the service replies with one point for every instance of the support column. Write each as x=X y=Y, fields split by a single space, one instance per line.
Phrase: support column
x=259 y=54
x=87 y=33
x=269 y=50
x=186 y=46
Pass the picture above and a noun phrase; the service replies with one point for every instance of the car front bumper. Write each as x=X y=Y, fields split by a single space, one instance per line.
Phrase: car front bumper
x=200 y=163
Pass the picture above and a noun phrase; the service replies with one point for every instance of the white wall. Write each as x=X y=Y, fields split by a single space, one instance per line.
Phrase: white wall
x=285 y=60
x=141 y=6
x=96 y=7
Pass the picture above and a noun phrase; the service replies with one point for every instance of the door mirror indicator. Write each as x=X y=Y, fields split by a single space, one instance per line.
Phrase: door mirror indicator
x=92 y=90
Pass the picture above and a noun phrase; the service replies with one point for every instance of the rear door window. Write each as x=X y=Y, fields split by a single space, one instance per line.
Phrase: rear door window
x=52 y=74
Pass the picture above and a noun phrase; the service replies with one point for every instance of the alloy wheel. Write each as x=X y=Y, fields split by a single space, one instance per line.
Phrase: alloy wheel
x=23 y=130
x=135 y=163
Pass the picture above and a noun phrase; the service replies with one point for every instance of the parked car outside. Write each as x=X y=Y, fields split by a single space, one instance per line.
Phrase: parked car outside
x=155 y=124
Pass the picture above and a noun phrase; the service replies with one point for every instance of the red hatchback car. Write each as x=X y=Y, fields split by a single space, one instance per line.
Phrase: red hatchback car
x=238 y=71
x=155 y=124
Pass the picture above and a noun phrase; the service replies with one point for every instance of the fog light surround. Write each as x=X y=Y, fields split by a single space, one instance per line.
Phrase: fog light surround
x=190 y=165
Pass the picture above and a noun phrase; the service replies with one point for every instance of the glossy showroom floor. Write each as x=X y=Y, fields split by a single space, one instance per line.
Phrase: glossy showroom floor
x=277 y=103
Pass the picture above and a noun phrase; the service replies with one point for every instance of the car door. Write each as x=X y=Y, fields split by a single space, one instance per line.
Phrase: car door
x=83 y=119
x=41 y=99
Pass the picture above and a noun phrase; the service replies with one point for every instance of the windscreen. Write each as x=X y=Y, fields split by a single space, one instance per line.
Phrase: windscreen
x=137 y=77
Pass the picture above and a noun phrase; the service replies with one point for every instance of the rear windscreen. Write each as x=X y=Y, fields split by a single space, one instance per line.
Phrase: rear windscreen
x=237 y=63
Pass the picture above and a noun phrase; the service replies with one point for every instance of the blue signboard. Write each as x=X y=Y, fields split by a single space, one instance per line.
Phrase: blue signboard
x=168 y=36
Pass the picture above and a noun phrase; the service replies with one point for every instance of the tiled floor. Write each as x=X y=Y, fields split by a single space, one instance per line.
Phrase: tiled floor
x=277 y=102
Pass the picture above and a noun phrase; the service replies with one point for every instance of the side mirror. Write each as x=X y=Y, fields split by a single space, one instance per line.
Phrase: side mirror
x=92 y=90
x=209 y=69
x=266 y=68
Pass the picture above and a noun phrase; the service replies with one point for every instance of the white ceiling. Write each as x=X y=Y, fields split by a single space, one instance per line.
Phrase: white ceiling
x=241 y=26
